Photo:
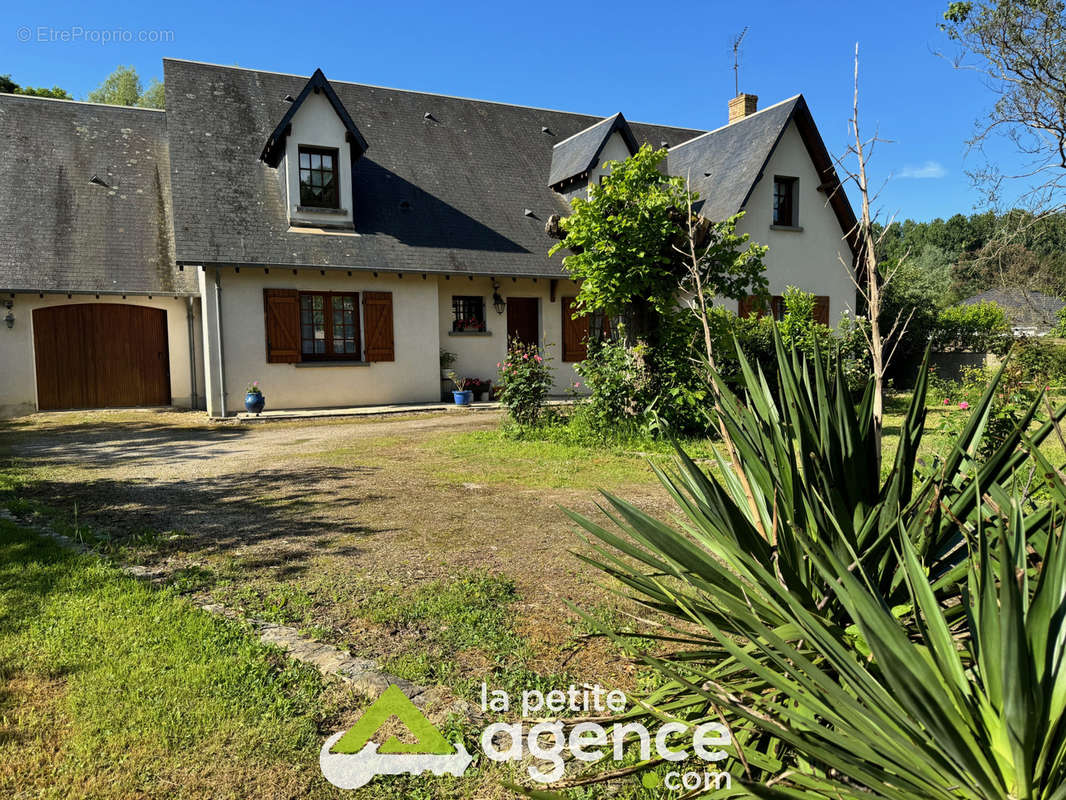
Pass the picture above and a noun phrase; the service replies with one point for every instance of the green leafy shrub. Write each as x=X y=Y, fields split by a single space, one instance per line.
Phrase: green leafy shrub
x=617 y=382
x=978 y=328
x=1042 y=361
x=524 y=380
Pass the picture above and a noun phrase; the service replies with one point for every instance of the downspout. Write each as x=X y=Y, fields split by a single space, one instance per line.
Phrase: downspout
x=221 y=347
x=190 y=317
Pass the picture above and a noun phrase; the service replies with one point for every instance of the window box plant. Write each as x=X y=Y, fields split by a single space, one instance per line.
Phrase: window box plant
x=254 y=399
x=479 y=387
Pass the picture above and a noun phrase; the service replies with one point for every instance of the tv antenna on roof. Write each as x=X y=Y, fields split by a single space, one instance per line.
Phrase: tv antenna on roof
x=736 y=57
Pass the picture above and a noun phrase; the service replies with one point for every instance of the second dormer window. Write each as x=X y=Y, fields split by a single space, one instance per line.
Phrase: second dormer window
x=318 y=177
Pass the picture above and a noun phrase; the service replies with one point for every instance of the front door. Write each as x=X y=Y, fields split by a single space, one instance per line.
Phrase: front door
x=522 y=319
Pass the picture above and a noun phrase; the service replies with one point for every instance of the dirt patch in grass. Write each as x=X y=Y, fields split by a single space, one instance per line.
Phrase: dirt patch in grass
x=304 y=523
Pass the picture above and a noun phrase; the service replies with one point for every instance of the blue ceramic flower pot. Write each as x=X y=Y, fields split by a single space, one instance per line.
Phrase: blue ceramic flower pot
x=463 y=398
x=254 y=402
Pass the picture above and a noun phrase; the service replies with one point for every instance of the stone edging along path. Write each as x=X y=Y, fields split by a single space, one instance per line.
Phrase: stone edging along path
x=361 y=674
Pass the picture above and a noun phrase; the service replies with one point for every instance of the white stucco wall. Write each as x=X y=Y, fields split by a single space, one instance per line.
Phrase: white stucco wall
x=413 y=377
x=807 y=259
x=18 y=389
x=477 y=355
x=316 y=124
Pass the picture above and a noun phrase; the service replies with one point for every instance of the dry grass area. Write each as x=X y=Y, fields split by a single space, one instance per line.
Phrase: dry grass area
x=428 y=542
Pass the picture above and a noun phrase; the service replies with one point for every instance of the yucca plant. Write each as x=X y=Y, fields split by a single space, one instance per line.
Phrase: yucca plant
x=804 y=490
x=913 y=706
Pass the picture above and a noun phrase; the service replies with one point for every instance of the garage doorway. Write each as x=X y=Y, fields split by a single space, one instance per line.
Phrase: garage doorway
x=101 y=355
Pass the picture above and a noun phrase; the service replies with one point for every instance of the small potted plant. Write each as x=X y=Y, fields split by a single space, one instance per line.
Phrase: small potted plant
x=479 y=387
x=461 y=394
x=254 y=400
x=447 y=359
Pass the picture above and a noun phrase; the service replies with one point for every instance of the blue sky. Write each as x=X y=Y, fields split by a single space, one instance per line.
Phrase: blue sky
x=655 y=62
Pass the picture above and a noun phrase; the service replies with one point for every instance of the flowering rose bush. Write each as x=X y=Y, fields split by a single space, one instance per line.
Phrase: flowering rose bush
x=524 y=380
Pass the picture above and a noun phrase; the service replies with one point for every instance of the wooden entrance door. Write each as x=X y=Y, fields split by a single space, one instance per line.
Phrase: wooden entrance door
x=523 y=319
x=99 y=355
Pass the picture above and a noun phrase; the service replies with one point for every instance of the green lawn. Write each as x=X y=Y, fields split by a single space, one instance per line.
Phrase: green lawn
x=113 y=689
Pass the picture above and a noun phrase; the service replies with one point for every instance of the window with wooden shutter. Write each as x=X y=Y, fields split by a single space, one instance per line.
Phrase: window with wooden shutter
x=821 y=309
x=377 y=322
x=281 y=308
x=575 y=332
x=329 y=326
x=752 y=306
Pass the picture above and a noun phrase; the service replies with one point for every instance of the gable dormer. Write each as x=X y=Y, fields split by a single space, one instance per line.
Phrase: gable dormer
x=578 y=161
x=314 y=148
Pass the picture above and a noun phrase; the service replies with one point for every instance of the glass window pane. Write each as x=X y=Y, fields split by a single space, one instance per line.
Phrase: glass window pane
x=316 y=161
x=327 y=162
x=305 y=160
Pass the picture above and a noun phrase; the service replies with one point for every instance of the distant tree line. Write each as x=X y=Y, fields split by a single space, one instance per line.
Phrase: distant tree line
x=123 y=87
x=943 y=262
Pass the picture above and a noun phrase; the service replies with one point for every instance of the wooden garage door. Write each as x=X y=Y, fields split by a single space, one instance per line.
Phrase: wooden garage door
x=97 y=355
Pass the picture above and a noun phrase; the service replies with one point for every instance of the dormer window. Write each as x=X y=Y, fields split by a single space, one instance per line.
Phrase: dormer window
x=314 y=149
x=318 y=177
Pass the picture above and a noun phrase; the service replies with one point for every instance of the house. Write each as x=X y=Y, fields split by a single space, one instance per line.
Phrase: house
x=328 y=239
x=1030 y=313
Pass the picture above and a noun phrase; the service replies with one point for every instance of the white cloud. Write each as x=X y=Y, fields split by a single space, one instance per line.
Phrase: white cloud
x=930 y=169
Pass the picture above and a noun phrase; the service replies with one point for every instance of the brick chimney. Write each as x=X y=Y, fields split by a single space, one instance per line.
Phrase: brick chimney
x=743 y=105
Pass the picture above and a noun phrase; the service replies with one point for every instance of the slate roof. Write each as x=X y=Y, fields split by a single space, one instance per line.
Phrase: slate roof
x=578 y=154
x=1025 y=309
x=62 y=233
x=725 y=164
x=468 y=175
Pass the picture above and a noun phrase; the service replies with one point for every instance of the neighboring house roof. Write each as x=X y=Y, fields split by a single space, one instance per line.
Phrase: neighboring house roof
x=62 y=233
x=578 y=155
x=1029 y=310
x=724 y=165
x=465 y=176
x=274 y=149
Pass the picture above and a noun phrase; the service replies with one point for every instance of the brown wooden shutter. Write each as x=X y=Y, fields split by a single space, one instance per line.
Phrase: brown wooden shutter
x=745 y=305
x=821 y=309
x=377 y=321
x=575 y=332
x=282 y=310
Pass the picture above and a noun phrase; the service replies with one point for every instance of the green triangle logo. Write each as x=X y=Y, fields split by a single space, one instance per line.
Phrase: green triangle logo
x=394 y=703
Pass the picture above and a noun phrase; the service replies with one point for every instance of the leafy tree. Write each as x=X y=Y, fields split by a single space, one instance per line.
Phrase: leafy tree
x=152 y=97
x=10 y=87
x=628 y=242
x=40 y=91
x=123 y=87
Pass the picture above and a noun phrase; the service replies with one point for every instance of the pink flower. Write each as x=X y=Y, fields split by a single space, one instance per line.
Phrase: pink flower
x=577 y=384
x=538 y=359
x=525 y=357
x=497 y=365
x=947 y=402
x=964 y=405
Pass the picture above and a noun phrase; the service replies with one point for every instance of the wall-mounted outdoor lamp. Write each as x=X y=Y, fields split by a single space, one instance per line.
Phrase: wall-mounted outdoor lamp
x=10 y=318
x=497 y=301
